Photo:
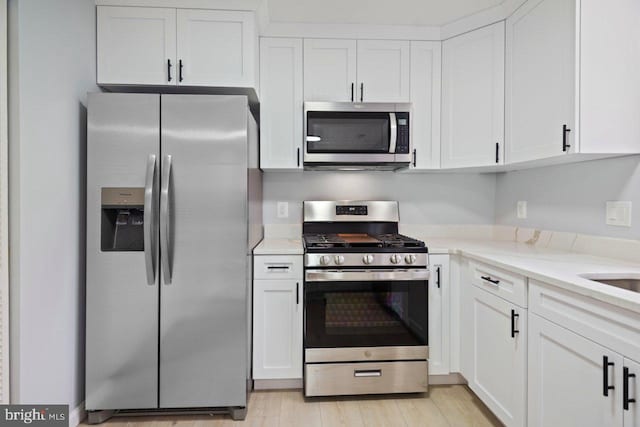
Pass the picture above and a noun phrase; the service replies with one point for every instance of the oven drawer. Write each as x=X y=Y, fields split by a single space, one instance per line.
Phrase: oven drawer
x=333 y=379
x=277 y=267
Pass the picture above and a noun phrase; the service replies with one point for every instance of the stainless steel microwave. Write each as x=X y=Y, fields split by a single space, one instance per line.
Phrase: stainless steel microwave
x=353 y=136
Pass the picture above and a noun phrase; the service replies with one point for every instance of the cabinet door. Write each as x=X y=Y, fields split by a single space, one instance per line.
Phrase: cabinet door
x=540 y=83
x=473 y=98
x=136 y=45
x=439 y=315
x=383 y=70
x=566 y=379
x=281 y=103
x=631 y=374
x=217 y=48
x=499 y=356
x=426 y=63
x=277 y=329
x=329 y=70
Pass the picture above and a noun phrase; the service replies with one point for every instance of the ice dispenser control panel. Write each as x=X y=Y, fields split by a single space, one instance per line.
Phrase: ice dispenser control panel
x=122 y=222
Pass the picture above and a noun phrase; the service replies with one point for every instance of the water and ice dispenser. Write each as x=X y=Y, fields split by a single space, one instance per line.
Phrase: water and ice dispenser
x=122 y=222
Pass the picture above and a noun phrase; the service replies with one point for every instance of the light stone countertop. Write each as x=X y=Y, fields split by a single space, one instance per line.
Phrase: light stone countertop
x=271 y=246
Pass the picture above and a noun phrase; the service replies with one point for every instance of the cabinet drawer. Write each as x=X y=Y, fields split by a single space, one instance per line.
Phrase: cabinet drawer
x=277 y=267
x=613 y=327
x=510 y=286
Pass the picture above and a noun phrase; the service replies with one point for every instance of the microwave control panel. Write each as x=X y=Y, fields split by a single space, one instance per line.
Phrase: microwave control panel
x=402 y=141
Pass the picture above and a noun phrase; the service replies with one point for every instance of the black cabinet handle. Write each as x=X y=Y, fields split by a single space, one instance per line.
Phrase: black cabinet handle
x=565 y=138
x=514 y=316
x=438 y=276
x=414 y=157
x=625 y=388
x=497 y=152
x=297 y=293
x=352 y=89
x=605 y=376
x=180 y=70
x=361 y=92
x=169 y=70
x=298 y=156
x=489 y=279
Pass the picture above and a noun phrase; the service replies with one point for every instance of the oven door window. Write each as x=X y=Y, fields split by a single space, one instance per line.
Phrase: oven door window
x=347 y=132
x=365 y=314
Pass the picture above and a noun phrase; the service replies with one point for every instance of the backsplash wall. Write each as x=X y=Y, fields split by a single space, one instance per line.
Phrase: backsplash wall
x=572 y=197
x=435 y=198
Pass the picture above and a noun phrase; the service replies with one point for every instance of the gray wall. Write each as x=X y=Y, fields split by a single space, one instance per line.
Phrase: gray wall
x=572 y=197
x=424 y=198
x=52 y=66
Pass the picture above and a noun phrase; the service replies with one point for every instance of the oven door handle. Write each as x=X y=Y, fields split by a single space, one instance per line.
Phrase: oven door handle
x=365 y=275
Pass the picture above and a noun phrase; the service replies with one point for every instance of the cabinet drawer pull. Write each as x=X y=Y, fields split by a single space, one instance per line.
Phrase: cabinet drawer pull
x=565 y=138
x=438 y=276
x=490 y=280
x=278 y=267
x=625 y=388
x=180 y=70
x=368 y=373
x=605 y=376
x=414 y=157
x=168 y=70
x=514 y=316
x=362 y=92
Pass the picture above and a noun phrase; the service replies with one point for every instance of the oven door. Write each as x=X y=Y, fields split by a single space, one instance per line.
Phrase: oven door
x=365 y=308
x=352 y=137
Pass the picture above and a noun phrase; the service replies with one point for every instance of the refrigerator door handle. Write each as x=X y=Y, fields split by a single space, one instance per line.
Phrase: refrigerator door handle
x=149 y=220
x=164 y=219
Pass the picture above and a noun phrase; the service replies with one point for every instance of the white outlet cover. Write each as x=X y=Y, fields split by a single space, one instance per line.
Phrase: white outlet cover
x=522 y=209
x=619 y=213
x=283 y=209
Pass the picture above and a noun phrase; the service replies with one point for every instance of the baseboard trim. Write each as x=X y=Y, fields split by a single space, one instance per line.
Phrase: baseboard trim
x=278 y=384
x=77 y=415
x=454 y=378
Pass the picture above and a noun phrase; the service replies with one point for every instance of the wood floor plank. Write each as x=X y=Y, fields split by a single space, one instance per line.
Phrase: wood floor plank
x=381 y=413
x=341 y=413
x=294 y=411
x=421 y=411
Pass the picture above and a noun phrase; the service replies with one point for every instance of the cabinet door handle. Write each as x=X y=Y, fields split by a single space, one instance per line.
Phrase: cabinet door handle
x=352 y=89
x=438 y=276
x=298 y=156
x=565 y=138
x=414 y=157
x=361 y=92
x=180 y=71
x=497 y=152
x=297 y=293
x=169 y=70
x=490 y=280
x=625 y=388
x=605 y=376
x=514 y=316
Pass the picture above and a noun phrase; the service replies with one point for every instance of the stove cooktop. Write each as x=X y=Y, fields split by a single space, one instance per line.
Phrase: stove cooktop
x=360 y=241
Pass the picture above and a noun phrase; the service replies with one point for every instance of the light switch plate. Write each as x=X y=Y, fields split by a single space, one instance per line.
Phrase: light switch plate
x=522 y=209
x=619 y=213
x=283 y=209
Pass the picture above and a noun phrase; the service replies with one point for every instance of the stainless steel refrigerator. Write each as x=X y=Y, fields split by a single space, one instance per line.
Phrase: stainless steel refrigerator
x=174 y=198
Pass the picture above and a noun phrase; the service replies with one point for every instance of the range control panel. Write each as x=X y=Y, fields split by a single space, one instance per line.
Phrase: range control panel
x=352 y=210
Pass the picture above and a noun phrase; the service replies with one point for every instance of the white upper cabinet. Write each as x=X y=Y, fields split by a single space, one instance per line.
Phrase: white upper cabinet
x=136 y=45
x=329 y=70
x=281 y=103
x=216 y=48
x=426 y=70
x=473 y=98
x=383 y=70
x=167 y=46
x=540 y=82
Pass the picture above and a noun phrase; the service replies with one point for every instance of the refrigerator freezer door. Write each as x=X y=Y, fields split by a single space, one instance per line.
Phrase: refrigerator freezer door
x=121 y=294
x=203 y=313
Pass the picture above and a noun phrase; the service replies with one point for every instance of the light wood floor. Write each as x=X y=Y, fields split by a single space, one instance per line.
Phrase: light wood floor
x=454 y=406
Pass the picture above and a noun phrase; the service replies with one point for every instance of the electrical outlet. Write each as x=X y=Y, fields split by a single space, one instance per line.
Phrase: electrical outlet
x=283 y=209
x=619 y=214
x=522 y=209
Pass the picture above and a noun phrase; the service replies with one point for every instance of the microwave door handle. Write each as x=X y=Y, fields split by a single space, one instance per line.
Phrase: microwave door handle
x=393 y=128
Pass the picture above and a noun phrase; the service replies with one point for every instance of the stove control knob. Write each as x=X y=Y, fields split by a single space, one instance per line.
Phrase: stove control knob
x=367 y=259
x=325 y=259
x=410 y=259
x=339 y=259
x=396 y=259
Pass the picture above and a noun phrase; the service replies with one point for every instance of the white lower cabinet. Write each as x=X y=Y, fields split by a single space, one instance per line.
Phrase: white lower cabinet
x=499 y=354
x=277 y=327
x=439 y=312
x=567 y=375
x=631 y=393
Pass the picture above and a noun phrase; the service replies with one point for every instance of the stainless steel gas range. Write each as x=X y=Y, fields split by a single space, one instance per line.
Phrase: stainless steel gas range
x=365 y=301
